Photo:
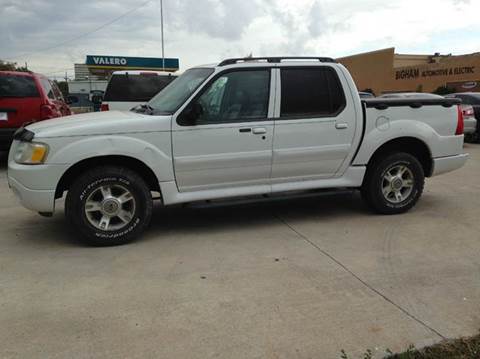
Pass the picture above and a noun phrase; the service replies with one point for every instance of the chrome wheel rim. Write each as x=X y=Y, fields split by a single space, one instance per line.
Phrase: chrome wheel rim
x=110 y=207
x=397 y=184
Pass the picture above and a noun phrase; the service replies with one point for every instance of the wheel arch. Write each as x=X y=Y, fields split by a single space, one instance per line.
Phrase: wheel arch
x=131 y=163
x=412 y=145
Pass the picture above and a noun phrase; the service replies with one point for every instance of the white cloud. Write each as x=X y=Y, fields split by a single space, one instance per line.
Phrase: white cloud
x=203 y=31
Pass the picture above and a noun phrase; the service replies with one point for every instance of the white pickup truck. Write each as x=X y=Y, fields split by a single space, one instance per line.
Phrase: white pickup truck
x=244 y=127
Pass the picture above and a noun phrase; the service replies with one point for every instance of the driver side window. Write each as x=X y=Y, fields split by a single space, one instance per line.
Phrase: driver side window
x=235 y=97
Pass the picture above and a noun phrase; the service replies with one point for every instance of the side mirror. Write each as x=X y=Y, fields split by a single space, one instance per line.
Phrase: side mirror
x=96 y=100
x=191 y=114
x=71 y=99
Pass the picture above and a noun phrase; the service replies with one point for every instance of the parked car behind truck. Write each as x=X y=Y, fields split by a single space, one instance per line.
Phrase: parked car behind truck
x=471 y=99
x=27 y=97
x=127 y=89
x=243 y=127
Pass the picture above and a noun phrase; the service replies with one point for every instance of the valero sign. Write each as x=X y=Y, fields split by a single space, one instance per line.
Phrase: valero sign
x=103 y=62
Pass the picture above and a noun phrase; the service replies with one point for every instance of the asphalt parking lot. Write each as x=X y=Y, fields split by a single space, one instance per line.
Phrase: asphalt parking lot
x=302 y=278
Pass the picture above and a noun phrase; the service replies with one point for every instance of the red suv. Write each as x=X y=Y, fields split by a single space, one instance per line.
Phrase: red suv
x=27 y=97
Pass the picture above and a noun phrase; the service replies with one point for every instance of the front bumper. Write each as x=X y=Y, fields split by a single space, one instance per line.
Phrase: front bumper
x=448 y=164
x=33 y=199
x=34 y=185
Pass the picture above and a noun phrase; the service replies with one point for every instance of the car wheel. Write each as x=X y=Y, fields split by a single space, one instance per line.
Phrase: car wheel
x=393 y=184
x=109 y=206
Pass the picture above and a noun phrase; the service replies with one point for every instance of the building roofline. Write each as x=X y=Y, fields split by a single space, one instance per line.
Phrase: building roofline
x=367 y=53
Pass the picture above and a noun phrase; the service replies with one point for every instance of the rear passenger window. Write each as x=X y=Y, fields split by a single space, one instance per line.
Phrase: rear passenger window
x=56 y=91
x=47 y=87
x=311 y=92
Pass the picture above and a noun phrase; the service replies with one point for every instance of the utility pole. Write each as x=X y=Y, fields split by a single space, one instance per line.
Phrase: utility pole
x=161 y=24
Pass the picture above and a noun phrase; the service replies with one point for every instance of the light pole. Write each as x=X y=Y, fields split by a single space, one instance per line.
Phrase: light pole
x=163 y=46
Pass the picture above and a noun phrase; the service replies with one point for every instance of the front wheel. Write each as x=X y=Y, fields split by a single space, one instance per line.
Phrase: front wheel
x=109 y=206
x=393 y=184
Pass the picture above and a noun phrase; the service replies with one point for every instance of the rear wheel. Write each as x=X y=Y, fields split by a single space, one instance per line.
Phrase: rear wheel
x=394 y=183
x=109 y=206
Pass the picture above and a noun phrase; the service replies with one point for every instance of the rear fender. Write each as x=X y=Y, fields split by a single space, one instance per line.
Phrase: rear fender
x=385 y=131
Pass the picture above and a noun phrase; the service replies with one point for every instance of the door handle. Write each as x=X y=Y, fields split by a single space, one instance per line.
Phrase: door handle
x=259 y=131
x=341 y=126
x=245 y=129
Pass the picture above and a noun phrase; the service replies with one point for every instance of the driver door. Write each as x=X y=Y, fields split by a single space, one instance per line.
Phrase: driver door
x=229 y=141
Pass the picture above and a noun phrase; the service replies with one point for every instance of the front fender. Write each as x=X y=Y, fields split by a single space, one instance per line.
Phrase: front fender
x=153 y=149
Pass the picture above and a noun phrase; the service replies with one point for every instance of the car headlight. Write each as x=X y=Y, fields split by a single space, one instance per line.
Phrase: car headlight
x=31 y=153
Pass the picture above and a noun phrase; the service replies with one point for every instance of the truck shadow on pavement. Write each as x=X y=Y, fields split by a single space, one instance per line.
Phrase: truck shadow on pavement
x=205 y=219
x=208 y=218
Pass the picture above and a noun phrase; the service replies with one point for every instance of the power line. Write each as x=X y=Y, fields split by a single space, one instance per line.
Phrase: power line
x=82 y=35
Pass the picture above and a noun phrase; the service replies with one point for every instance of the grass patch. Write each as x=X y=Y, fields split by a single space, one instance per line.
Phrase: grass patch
x=463 y=348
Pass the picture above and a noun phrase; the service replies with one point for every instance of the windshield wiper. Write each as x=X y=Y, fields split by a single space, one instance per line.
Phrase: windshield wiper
x=146 y=109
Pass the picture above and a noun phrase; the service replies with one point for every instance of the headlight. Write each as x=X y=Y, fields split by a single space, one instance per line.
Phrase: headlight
x=31 y=153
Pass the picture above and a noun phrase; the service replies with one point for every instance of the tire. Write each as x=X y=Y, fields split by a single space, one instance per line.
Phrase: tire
x=109 y=206
x=393 y=183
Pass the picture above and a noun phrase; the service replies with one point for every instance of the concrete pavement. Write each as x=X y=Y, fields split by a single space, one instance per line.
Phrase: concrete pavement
x=299 y=278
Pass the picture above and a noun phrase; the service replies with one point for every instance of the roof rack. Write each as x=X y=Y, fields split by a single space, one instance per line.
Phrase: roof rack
x=273 y=59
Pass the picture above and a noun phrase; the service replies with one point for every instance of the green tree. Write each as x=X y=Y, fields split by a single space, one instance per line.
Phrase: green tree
x=11 y=66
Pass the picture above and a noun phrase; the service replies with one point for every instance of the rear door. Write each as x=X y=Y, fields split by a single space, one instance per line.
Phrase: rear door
x=230 y=145
x=315 y=124
x=20 y=100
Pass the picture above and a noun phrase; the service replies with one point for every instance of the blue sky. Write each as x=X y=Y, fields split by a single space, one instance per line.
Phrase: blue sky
x=205 y=31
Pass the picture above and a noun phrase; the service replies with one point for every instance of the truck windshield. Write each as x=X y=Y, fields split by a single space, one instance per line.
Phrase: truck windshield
x=174 y=95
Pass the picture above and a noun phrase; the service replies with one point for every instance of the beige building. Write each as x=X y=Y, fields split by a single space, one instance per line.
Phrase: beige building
x=384 y=71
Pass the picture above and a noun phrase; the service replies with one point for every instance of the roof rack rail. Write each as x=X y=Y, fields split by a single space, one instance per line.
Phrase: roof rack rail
x=274 y=59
